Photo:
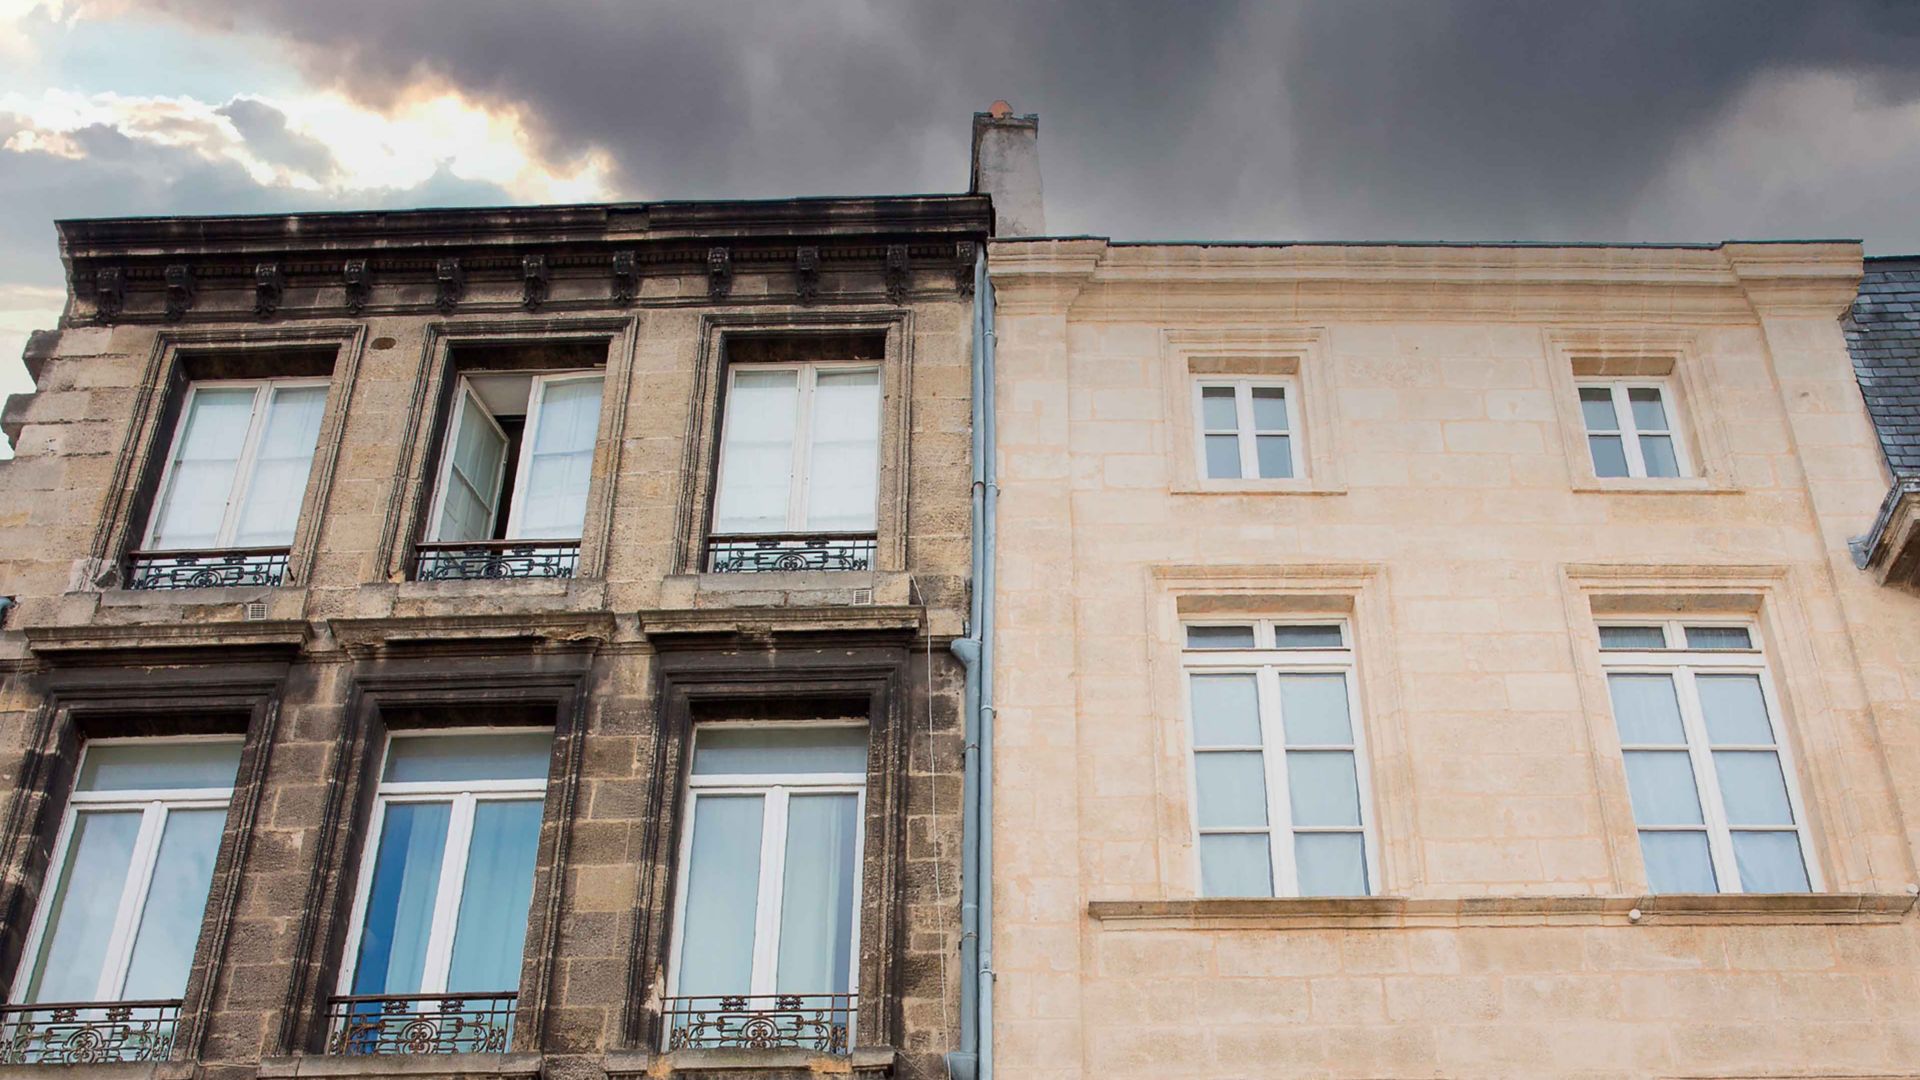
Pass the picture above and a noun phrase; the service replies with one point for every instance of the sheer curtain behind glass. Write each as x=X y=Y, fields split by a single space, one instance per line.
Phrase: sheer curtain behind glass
x=757 y=460
x=206 y=460
x=843 y=473
x=553 y=502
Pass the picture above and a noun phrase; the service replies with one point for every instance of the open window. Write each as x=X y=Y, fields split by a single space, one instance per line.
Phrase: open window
x=515 y=469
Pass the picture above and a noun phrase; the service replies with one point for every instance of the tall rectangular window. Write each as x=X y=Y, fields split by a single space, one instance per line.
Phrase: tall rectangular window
x=1631 y=430
x=440 y=920
x=1708 y=770
x=768 y=908
x=1246 y=429
x=1279 y=773
x=126 y=893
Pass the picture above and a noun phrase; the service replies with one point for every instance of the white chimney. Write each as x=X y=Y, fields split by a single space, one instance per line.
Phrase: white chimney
x=1006 y=165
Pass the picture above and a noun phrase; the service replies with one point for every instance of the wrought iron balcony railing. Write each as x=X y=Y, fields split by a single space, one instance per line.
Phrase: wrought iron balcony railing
x=421 y=1024
x=206 y=569
x=488 y=559
x=818 y=1022
x=789 y=552
x=87 y=1033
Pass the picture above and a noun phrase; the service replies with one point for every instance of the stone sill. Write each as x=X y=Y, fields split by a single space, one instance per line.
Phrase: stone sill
x=864 y=1061
x=784 y=589
x=779 y=620
x=1636 y=485
x=103 y=1070
x=290 y=634
x=552 y=626
x=415 y=1066
x=1396 y=912
x=1302 y=486
x=217 y=596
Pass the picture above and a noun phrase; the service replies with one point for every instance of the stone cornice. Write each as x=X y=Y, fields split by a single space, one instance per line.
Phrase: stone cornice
x=80 y=641
x=1390 y=912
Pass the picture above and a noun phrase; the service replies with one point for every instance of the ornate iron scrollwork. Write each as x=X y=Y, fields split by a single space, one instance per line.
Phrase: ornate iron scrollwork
x=819 y=1022
x=88 y=1034
x=763 y=554
x=482 y=561
x=206 y=569
x=421 y=1024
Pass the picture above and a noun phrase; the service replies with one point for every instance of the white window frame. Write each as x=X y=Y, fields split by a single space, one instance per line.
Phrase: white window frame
x=466 y=796
x=154 y=804
x=1629 y=430
x=1267 y=662
x=1683 y=664
x=799 y=474
x=243 y=470
x=777 y=788
x=467 y=397
x=1244 y=429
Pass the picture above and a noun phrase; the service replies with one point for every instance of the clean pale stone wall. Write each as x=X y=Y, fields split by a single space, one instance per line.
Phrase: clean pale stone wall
x=1459 y=494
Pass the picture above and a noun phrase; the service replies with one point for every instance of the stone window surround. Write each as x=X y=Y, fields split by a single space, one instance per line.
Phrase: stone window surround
x=1668 y=357
x=1297 y=356
x=1768 y=596
x=701 y=455
x=1355 y=593
x=149 y=435
x=540 y=687
x=838 y=669
x=235 y=693
x=411 y=493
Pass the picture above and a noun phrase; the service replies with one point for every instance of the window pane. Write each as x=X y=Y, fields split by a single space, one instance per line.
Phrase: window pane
x=757 y=462
x=1322 y=788
x=1331 y=864
x=1226 y=710
x=1223 y=457
x=1770 y=862
x=280 y=467
x=1735 y=711
x=817 y=900
x=1276 y=455
x=74 y=948
x=1596 y=407
x=1719 y=637
x=735 y=750
x=1217 y=409
x=1752 y=787
x=491 y=932
x=1270 y=408
x=1633 y=637
x=406 y=878
x=1661 y=784
x=1657 y=452
x=843 y=476
x=176 y=905
x=1609 y=459
x=1646 y=710
x=723 y=889
x=1678 y=862
x=1231 y=788
x=1236 y=864
x=468 y=510
x=204 y=463
x=1649 y=412
x=560 y=470
x=1313 y=709
x=159 y=764
x=515 y=756
x=1219 y=637
x=1307 y=637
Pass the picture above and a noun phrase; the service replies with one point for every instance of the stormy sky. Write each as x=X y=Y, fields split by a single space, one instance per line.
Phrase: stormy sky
x=1203 y=119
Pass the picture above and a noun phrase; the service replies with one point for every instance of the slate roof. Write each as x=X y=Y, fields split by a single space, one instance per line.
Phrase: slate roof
x=1883 y=334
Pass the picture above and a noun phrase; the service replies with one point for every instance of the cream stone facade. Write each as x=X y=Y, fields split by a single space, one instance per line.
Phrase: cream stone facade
x=1446 y=512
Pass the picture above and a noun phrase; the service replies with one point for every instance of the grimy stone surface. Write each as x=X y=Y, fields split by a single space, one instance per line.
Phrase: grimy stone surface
x=1449 y=512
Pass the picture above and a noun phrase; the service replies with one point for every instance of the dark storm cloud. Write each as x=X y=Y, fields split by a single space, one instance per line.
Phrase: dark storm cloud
x=264 y=129
x=1207 y=119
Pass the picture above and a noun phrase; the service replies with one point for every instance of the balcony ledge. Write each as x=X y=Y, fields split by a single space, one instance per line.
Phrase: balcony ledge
x=1394 y=912
x=413 y=1066
x=103 y=1070
x=864 y=1062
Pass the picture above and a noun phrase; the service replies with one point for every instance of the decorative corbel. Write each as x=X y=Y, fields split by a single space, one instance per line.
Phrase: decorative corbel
x=626 y=277
x=451 y=281
x=359 y=282
x=269 y=286
x=965 y=254
x=109 y=293
x=533 y=278
x=179 y=278
x=896 y=273
x=807 y=264
x=719 y=273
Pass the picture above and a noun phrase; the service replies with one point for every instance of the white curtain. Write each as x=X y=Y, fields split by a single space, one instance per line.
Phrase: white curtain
x=816 y=903
x=472 y=499
x=723 y=888
x=74 y=950
x=491 y=931
x=205 y=459
x=756 y=467
x=560 y=460
x=176 y=905
x=406 y=879
x=282 y=461
x=843 y=473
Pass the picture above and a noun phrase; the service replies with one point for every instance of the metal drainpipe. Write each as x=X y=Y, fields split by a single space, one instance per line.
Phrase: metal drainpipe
x=974 y=1058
